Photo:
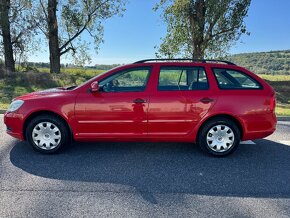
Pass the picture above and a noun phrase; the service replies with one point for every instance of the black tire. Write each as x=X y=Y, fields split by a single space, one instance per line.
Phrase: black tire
x=57 y=122
x=202 y=137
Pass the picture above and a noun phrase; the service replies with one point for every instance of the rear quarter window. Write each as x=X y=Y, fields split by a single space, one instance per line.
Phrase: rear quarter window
x=234 y=79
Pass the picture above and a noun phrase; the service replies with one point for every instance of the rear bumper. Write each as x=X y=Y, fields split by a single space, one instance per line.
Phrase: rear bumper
x=259 y=126
x=14 y=124
x=257 y=135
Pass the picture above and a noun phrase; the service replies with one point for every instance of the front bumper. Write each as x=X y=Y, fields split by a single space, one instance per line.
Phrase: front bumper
x=14 y=124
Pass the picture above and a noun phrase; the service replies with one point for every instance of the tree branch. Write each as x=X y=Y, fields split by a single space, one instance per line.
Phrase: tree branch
x=72 y=38
x=66 y=50
x=209 y=35
x=224 y=31
x=90 y=33
x=89 y=18
x=17 y=38
x=41 y=29
x=43 y=9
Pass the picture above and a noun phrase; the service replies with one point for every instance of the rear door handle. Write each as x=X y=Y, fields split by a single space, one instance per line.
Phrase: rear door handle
x=139 y=101
x=206 y=100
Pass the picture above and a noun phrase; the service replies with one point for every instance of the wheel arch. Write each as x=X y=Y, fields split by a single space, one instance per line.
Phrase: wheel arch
x=45 y=112
x=227 y=116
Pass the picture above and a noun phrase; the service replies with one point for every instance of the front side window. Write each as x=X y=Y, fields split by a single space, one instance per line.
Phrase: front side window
x=182 y=78
x=232 y=79
x=132 y=80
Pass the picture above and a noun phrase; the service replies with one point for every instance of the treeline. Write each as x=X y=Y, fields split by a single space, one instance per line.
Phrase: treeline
x=272 y=62
x=36 y=65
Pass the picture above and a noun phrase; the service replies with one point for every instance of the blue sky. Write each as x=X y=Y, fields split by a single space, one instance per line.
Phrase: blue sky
x=134 y=35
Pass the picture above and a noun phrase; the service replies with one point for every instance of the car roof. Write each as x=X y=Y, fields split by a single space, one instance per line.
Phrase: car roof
x=183 y=60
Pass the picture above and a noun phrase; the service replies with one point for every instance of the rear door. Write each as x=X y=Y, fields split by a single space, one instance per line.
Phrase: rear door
x=181 y=98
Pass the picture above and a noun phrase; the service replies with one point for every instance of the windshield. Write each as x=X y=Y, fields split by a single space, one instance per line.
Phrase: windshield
x=88 y=81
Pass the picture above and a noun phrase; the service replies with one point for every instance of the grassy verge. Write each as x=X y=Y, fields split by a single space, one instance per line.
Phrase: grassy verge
x=282 y=111
x=19 y=83
x=281 y=84
x=3 y=106
x=13 y=84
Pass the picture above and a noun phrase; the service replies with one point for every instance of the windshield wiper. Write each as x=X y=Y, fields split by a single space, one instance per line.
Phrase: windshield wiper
x=71 y=87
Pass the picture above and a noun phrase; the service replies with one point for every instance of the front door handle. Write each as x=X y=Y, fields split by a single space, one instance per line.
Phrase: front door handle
x=206 y=100
x=139 y=101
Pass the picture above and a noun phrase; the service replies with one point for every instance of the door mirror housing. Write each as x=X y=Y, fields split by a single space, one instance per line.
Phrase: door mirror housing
x=95 y=86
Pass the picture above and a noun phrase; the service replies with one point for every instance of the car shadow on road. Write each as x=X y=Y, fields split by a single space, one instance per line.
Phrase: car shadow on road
x=261 y=170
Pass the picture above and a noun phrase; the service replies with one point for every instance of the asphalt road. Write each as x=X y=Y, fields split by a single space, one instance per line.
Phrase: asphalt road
x=146 y=180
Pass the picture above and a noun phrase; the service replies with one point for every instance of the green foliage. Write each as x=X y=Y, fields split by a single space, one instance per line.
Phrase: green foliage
x=198 y=28
x=13 y=84
x=22 y=29
x=282 y=111
x=274 y=62
x=73 y=19
x=86 y=73
x=79 y=16
x=281 y=85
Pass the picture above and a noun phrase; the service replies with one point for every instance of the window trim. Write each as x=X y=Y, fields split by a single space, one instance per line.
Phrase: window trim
x=237 y=88
x=149 y=68
x=182 y=68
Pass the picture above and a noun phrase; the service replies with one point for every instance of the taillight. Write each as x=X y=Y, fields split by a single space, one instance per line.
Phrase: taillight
x=273 y=102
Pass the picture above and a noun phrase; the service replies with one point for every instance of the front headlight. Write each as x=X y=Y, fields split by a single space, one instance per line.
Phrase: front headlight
x=15 y=105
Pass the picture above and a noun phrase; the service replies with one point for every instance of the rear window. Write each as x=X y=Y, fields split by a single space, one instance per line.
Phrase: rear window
x=182 y=78
x=233 y=79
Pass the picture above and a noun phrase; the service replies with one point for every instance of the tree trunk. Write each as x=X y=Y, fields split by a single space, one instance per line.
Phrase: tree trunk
x=197 y=21
x=197 y=53
x=54 y=52
x=5 y=27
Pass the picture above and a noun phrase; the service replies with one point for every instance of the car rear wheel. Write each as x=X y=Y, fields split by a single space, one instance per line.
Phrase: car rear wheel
x=219 y=137
x=47 y=134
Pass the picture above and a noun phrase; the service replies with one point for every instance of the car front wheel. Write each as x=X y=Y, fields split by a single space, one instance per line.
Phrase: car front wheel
x=47 y=134
x=219 y=137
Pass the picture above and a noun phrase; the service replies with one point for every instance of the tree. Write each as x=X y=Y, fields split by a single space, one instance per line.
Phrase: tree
x=17 y=31
x=64 y=22
x=54 y=51
x=199 y=28
x=5 y=31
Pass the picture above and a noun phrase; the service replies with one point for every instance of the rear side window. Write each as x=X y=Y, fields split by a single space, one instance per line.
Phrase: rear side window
x=182 y=78
x=233 y=79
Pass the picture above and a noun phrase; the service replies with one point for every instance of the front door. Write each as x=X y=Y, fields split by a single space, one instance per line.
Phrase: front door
x=118 y=110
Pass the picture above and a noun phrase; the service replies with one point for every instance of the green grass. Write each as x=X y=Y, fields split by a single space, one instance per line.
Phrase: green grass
x=75 y=71
x=274 y=78
x=282 y=111
x=281 y=84
x=19 y=83
x=4 y=106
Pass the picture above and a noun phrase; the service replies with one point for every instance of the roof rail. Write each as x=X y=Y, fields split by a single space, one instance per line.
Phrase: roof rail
x=184 y=59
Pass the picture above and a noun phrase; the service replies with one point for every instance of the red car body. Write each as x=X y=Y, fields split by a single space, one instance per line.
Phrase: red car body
x=150 y=115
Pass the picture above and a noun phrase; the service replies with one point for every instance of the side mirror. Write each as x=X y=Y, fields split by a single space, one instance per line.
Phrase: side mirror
x=95 y=86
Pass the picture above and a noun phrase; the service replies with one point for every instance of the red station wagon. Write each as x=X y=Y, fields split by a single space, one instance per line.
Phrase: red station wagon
x=209 y=102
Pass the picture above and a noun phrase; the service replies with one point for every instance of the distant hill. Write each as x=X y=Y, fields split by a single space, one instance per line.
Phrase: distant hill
x=272 y=62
